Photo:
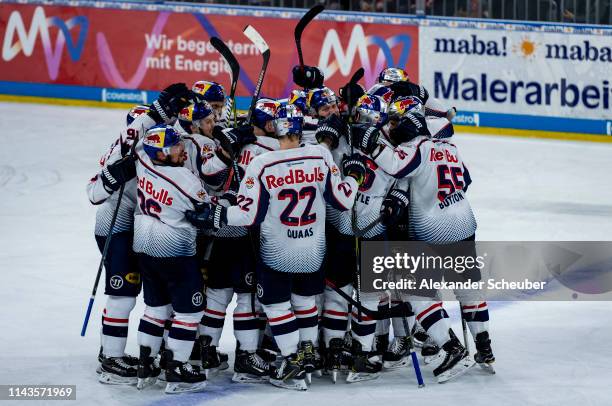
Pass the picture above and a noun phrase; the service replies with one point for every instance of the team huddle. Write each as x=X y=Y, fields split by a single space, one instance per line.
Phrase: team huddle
x=269 y=210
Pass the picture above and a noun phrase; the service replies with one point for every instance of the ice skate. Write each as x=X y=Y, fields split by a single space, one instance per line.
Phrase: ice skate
x=398 y=355
x=148 y=369
x=365 y=365
x=183 y=377
x=484 y=354
x=249 y=367
x=290 y=374
x=456 y=361
x=118 y=370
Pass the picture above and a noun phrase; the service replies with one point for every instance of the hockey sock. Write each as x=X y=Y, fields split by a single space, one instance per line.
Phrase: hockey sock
x=433 y=318
x=151 y=328
x=284 y=327
x=307 y=315
x=363 y=331
x=115 y=325
x=182 y=334
x=246 y=323
x=335 y=314
x=476 y=314
x=214 y=314
x=382 y=326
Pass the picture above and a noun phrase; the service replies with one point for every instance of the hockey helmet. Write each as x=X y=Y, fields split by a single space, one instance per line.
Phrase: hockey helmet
x=135 y=112
x=160 y=138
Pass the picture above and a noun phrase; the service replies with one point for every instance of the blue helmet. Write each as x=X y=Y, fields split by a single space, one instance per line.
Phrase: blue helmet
x=371 y=110
x=194 y=112
x=160 y=138
x=320 y=97
x=135 y=112
x=209 y=91
x=265 y=110
x=392 y=75
x=298 y=98
x=289 y=121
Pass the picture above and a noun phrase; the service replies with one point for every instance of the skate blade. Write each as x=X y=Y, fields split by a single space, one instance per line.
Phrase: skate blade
x=162 y=377
x=294 y=384
x=457 y=370
x=487 y=367
x=146 y=382
x=361 y=376
x=240 y=377
x=308 y=378
x=195 y=362
x=184 y=387
x=99 y=369
x=393 y=365
x=112 y=379
x=334 y=375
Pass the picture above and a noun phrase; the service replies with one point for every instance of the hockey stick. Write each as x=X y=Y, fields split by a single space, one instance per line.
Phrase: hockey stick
x=105 y=251
x=235 y=68
x=396 y=311
x=354 y=79
x=231 y=102
x=301 y=26
x=413 y=355
x=256 y=38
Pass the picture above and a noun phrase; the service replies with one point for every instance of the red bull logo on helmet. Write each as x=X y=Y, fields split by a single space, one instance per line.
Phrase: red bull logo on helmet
x=155 y=139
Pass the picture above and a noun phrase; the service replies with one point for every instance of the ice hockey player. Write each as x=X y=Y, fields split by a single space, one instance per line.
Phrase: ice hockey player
x=122 y=278
x=229 y=273
x=285 y=192
x=439 y=213
x=363 y=223
x=165 y=244
x=213 y=94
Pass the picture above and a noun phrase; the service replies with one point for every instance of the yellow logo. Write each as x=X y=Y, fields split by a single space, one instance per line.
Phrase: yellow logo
x=133 y=277
x=526 y=48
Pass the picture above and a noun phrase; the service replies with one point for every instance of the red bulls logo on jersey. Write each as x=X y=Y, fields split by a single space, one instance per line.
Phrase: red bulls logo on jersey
x=436 y=156
x=295 y=176
x=161 y=195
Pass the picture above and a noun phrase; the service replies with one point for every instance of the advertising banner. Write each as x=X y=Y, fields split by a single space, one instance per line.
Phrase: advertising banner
x=520 y=71
x=149 y=47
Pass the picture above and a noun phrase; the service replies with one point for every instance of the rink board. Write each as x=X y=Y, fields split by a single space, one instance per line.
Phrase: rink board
x=537 y=77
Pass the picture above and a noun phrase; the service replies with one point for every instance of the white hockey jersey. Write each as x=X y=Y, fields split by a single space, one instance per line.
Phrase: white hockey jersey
x=285 y=192
x=249 y=152
x=439 y=209
x=165 y=193
x=370 y=196
x=107 y=202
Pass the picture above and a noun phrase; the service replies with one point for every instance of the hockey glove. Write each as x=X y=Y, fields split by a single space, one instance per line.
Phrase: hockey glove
x=233 y=139
x=118 y=173
x=207 y=216
x=394 y=207
x=409 y=89
x=331 y=129
x=308 y=77
x=409 y=127
x=170 y=102
x=350 y=93
x=353 y=166
x=229 y=198
x=364 y=137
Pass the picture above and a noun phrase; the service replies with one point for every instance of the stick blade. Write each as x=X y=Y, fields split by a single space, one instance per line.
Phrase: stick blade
x=307 y=18
x=224 y=50
x=256 y=38
x=357 y=75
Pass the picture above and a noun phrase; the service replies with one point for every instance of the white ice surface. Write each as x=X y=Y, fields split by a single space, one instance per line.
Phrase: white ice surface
x=548 y=353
